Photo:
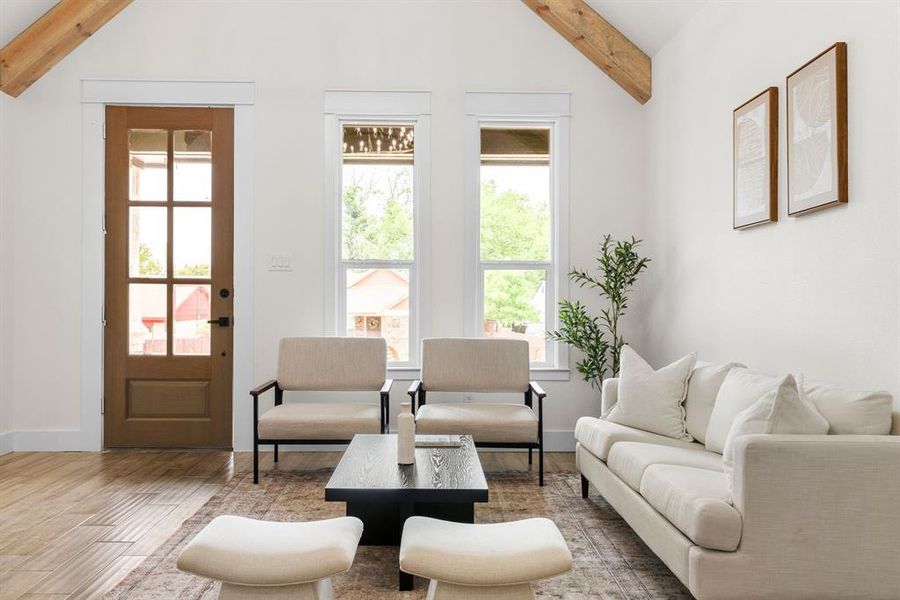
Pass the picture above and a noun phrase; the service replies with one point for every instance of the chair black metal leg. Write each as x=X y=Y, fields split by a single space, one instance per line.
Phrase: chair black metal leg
x=276 y=452
x=255 y=462
x=584 y=487
x=541 y=464
x=529 y=456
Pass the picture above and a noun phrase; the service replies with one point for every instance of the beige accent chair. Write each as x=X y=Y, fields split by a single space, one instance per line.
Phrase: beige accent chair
x=263 y=559
x=497 y=561
x=480 y=365
x=323 y=364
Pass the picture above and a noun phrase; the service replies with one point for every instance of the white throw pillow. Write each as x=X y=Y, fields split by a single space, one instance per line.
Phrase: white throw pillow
x=782 y=410
x=703 y=387
x=739 y=391
x=652 y=400
x=852 y=411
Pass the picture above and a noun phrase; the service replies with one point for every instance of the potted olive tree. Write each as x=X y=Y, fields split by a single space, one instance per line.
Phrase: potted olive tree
x=598 y=336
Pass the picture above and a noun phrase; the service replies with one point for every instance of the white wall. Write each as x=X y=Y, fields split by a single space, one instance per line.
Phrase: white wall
x=294 y=51
x=816 y=294
x=5 y=265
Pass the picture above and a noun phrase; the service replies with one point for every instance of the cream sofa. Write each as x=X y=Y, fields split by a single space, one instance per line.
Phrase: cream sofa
x=810 y=516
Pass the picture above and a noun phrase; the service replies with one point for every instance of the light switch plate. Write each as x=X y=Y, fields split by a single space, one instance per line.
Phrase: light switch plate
x=281 y=262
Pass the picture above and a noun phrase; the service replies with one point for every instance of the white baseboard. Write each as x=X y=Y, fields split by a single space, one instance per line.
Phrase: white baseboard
x=6 y=442
x=554 y=441
x=72 y=440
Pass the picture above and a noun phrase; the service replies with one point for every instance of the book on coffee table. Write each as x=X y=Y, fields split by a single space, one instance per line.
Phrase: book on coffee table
x=438 y=441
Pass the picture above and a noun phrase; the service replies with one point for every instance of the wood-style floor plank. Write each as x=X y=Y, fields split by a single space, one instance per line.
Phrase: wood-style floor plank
x=74 y=524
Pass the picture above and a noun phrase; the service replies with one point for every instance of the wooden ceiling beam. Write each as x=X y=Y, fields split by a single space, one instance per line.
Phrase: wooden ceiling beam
x=598 y=40
x=49 y=39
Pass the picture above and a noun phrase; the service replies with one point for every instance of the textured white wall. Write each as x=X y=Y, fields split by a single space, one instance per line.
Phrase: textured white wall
x=294 y=51
x=816 y=294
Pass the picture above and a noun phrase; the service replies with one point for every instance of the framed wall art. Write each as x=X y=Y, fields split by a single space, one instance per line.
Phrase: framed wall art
x=817 y=132
x=755 y=168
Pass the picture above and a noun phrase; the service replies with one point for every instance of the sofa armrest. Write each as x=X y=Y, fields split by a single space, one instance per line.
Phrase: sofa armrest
x=895 y=423
x=807 y=497
x=609 y=394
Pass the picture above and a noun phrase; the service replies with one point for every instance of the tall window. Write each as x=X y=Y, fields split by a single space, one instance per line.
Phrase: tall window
x=518 y=189
x=515 y=233
x=378 y=232
x=377 y=152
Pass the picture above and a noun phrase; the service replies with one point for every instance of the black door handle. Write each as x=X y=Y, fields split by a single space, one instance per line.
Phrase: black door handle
x=221 y=322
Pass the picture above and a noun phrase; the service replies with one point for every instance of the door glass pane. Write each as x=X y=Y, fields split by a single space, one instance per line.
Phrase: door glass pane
x=377 y=192
x=515 y=307
x=378 y=306
x=148 y=151
x=191 y=249
x=192 y=151
x=147 y=233
x=191 y=331
x=147 y=318
x=515 y=193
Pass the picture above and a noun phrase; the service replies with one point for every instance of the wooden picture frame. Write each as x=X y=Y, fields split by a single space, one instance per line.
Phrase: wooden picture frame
x=817 y=132
x=755 y=160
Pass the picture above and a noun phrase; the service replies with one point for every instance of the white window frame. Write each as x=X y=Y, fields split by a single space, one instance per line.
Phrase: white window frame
x=522 y=109
x=377 y=107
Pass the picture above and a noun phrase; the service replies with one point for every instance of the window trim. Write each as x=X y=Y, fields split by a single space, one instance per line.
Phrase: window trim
x=377 y=107
x=522 y=109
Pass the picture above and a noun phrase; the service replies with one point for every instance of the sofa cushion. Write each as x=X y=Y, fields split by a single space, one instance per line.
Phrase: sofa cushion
x=851 y=411
x=502 y=423
x=652 y=400
x=599 y=435
x=697 y=502
x=739 y=391
x=319 y=421
x=703 y=387
x=783 y=410
x=629 y=460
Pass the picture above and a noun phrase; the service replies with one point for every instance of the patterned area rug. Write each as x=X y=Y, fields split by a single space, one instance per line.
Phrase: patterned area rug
x=610 y=560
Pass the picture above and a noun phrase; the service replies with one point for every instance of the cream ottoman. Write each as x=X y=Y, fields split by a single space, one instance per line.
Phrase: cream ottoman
x=264 y=559
x=498 y=560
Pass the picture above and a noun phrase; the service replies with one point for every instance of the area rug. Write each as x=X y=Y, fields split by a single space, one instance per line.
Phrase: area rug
x=610 y=560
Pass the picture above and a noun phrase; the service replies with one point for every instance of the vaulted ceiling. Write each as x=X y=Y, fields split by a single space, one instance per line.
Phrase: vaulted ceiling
x=620 y=42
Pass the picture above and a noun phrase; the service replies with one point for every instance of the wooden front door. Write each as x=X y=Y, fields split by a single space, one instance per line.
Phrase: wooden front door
x=168 y=305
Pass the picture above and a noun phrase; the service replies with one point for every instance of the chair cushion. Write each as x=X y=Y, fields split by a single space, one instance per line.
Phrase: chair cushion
x=697 y=502
x=629 y=460
x=264 y=553
x=319 y=421
x=598 y=436
x=490 y=554
x=501 y=423
x=475 y=365
x=331 y=363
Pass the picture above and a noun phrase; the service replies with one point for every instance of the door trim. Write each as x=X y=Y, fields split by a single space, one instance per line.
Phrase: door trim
x=95 y=95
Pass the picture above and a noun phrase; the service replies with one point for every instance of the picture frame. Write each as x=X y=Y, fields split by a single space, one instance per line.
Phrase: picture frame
x=755 y=160
x=817 y=132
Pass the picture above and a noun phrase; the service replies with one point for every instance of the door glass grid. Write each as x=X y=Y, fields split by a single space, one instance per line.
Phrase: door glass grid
x=169 y=242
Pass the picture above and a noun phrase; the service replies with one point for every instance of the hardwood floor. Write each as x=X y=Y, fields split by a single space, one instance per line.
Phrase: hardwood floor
x=74 y=524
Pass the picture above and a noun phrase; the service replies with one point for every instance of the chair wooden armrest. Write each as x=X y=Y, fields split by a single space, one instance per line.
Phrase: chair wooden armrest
x=537 y=389
x=386 y=388
x=263 y=388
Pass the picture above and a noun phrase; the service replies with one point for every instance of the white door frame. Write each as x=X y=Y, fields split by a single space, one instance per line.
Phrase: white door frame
x=96 y=94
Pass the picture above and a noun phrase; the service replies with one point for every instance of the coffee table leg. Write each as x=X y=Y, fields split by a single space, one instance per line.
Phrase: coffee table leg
x=406 y=582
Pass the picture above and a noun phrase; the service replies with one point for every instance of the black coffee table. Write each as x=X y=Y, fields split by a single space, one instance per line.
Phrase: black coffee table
x=443 y=483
